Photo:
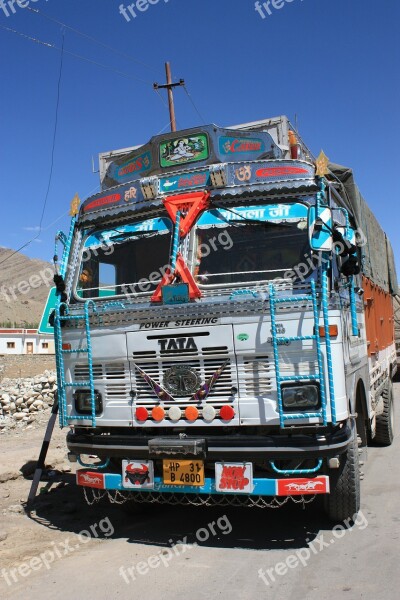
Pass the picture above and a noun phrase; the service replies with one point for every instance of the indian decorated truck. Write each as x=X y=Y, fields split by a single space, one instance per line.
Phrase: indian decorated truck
x=224 y=324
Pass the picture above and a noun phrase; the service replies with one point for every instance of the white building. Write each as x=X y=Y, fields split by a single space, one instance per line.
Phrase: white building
x=25 y=341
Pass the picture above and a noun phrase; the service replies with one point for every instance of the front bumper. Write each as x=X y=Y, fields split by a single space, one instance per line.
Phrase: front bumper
x=216 y=447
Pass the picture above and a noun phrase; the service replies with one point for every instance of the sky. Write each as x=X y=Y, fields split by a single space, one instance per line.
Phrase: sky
x=332 y=64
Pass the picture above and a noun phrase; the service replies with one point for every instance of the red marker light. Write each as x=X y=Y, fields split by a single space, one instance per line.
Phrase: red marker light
x=227 y=413
x=142 y=414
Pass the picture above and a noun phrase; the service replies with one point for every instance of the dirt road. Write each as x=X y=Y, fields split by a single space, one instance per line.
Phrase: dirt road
x=69 y=549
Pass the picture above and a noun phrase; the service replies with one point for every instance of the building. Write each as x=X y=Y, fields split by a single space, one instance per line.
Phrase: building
x=25 y=341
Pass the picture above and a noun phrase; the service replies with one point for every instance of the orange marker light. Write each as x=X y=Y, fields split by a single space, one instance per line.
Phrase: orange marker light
x=158 y=413
x=333 y=331
x=191 y=413
x=66 y=346
x=142 y=414
x=227 y=413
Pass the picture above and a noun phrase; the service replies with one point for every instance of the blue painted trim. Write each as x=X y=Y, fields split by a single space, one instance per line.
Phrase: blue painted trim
x=272 y=303
x=103 y=465
x=328 y=346
x=353 y=307
x=296 y=471
x=262 y=487
x=322 y=383
x=62 y=384
x=175 y=242
x=276 y=341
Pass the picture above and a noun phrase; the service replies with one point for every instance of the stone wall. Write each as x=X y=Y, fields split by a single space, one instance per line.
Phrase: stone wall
x=25 y=365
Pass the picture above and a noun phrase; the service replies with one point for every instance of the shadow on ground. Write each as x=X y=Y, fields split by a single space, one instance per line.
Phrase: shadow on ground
x=62 y=507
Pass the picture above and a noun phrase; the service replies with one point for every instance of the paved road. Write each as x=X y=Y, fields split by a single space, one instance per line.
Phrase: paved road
x=298 y=553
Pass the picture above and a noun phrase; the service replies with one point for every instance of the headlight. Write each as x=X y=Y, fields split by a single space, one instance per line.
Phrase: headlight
x=83 y=402
x=300 y=397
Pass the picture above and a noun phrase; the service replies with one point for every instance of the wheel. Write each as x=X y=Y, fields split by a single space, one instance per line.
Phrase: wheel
x=384 y=434
x=343 y=502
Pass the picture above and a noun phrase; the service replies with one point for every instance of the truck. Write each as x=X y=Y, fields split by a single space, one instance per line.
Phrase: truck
x=224 y=324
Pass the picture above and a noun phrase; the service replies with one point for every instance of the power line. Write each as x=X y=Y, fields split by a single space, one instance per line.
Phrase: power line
x=91 y=38
x=78 y=56
x=52 y=156
x=194 y=105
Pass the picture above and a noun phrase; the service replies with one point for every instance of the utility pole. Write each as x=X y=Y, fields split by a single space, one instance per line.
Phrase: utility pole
x=169 y=86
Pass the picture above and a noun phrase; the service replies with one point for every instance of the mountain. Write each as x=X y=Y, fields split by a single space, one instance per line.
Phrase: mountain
x=24 y=286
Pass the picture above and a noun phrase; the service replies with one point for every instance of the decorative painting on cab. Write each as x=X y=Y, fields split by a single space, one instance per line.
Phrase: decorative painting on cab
x=184 y=150
x=232 y=146
x=136 y=166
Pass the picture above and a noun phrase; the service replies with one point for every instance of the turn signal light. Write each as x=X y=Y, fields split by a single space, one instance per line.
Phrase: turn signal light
x=142 y=414
x=191 y=413
x=227 y=413
x=333 y=331
x=158 y=413
x=66 y=346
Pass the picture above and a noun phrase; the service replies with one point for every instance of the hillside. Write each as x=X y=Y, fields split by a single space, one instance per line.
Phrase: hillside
x=24 y=286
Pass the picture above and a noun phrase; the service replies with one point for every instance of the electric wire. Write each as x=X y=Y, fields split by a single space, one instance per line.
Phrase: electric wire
x=194 y=105
x=52 y=157
x=166 y=106
x=91 y=38
x=78 y=56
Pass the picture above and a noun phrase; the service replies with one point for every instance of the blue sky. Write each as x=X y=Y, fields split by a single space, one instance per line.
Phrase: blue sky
x=334 y=63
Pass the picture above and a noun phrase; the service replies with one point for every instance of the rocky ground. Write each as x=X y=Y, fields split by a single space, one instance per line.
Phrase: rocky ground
x=25 y=409
x=21 y=400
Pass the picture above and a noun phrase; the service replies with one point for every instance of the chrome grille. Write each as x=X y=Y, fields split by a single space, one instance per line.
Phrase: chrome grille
x=205 y=367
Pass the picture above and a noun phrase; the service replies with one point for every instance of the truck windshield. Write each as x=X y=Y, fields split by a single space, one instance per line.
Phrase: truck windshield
x=124 y=260
x=250 y=244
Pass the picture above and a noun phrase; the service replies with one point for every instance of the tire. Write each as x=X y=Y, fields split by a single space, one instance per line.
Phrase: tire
x=130 y=507
x=384 y=434
x=343 y=503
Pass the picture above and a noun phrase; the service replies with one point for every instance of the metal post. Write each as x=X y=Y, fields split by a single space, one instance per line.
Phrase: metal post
x=170 y=97
x=169 y=86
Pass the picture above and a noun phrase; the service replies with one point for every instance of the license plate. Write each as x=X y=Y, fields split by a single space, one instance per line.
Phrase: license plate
x=183 y=472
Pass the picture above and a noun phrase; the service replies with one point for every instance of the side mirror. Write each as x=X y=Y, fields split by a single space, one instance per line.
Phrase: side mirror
x=320 y=229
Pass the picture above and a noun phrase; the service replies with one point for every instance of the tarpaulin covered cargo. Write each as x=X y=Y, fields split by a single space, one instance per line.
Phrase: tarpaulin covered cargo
x=378 y=258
